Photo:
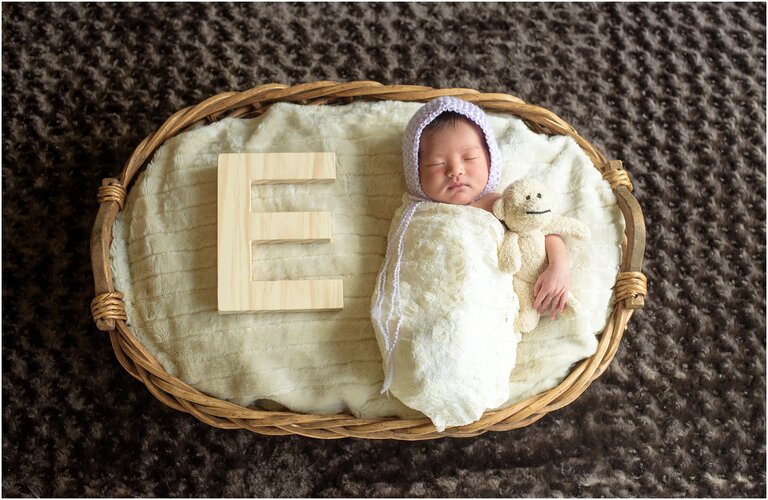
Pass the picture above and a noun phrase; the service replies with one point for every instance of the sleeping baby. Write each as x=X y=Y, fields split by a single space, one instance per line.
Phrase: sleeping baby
x=442 y=310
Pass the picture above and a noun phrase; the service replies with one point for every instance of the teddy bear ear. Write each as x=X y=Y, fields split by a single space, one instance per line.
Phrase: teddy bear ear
x=498 y=209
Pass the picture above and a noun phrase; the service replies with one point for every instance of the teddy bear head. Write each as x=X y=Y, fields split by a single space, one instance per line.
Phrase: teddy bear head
x=525 y=205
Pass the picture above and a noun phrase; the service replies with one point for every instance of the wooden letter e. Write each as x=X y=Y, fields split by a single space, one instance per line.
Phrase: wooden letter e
x=238 y=228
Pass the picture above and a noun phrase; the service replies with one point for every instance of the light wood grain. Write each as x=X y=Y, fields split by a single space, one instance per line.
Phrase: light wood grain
x=285 y=168
x=298 y=295
x=293 y=227
x=239 y=228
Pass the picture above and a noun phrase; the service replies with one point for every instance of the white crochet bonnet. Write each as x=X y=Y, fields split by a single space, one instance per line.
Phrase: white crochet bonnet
x=423 y=117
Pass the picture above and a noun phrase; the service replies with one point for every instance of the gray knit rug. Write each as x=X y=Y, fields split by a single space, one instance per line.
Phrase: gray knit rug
x=677 y=91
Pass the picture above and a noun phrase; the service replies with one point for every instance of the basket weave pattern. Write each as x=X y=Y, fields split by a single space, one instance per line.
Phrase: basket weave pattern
x=109 y=312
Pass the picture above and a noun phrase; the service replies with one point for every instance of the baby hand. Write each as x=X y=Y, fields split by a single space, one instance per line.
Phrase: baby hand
x=551 y=289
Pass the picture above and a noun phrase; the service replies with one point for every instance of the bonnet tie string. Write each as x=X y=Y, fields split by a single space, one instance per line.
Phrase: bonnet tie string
x=395 y=307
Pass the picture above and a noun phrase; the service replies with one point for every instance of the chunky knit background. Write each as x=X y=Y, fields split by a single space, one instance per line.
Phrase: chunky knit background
x=675 y=90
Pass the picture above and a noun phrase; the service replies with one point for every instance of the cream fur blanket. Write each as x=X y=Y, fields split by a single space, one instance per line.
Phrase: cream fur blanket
x=164 y=259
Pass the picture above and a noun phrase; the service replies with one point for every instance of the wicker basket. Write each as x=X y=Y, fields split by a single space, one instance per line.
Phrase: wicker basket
x=109 y=311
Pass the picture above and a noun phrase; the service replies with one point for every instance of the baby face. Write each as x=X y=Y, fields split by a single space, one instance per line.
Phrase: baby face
x=453 y=163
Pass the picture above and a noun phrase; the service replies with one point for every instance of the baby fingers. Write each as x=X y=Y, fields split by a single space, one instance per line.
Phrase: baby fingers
x=563 y=301
x=545 y=301
x=558 y=305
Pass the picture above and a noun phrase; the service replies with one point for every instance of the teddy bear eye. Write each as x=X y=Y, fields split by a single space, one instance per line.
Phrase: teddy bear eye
x=539 y=195
x=528 y=197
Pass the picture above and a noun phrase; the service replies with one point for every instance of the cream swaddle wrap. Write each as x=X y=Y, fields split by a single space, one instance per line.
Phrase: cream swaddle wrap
x=442 y=310
x=456 y=342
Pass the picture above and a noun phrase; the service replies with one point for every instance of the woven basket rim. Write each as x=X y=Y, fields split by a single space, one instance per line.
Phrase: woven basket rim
x=109 y=312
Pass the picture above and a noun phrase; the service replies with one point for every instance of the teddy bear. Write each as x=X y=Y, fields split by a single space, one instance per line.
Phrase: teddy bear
x=526 y=207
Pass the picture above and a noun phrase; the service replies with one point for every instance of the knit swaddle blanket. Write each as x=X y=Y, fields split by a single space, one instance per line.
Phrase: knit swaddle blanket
x=163 y=259
x=456 y=343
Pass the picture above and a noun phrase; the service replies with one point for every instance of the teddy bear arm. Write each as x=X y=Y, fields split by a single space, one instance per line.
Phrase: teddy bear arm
x=567 y=226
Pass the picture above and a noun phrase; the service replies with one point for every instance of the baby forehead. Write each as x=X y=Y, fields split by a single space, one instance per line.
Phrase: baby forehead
x=461 y=137
x=447 y=121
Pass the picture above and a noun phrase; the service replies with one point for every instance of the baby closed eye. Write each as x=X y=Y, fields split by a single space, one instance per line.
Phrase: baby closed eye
x=443 y=163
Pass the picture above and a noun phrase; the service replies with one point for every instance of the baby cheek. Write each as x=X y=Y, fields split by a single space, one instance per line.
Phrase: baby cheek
x=425 y=175
x=424 y=181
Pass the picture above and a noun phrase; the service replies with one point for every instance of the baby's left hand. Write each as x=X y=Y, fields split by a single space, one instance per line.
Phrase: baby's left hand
x=551 y=289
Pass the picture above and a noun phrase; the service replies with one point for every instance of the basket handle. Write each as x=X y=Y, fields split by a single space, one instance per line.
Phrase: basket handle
x=108 y=306
x=631 y=283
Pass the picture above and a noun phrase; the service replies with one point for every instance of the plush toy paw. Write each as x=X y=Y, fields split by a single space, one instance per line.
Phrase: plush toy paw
x=527 y=320
x=571 y=309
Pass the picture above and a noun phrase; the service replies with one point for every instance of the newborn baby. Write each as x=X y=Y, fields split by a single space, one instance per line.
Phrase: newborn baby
x=442 y=310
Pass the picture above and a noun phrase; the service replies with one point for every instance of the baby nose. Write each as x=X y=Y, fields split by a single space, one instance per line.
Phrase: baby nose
x=455 y=169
